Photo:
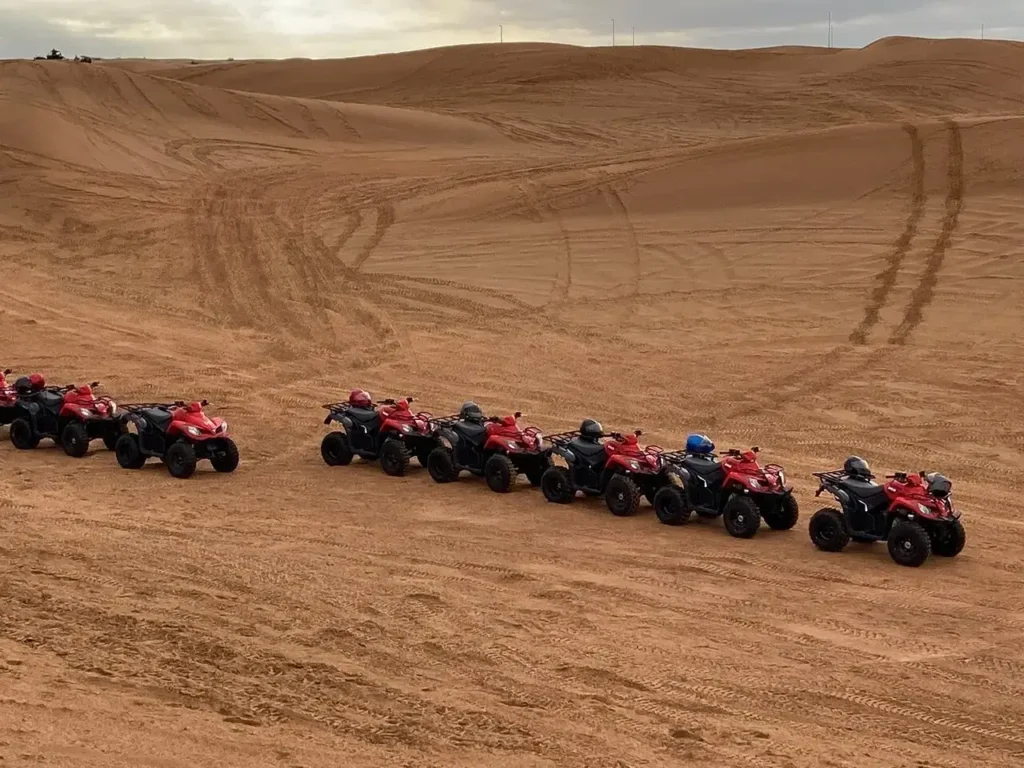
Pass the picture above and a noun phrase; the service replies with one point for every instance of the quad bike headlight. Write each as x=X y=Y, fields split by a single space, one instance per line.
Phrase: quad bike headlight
x=112 y=407
x=194 y=431
x=513 y=445
x=754 y=483
x=407 y=429
x=223 y=426
x=86 y=413
x=924 y=510
x=634 y=464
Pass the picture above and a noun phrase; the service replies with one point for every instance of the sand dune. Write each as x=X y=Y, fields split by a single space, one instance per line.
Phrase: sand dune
x=817 y=252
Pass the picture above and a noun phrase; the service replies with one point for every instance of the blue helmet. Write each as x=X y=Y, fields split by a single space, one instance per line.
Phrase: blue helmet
x=700 y=444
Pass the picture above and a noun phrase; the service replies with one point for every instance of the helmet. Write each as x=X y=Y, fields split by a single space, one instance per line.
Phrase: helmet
x=37 y=382
x=699 y=444
x=360 y=398
x=939 y=485
x=591 y=430
x=470 y=411
x=23 y=386
x=856 y=467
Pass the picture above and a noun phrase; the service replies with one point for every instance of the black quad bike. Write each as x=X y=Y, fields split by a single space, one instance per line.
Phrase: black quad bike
x=389 y=431
x=496 y=448
x=177 y=433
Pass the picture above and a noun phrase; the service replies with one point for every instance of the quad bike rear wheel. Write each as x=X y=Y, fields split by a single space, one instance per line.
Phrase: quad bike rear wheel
x=180 y=459
x=23 y=437
x=948 y=539
x=226 y=460
x=334 y=450
x=441 y=466
x=741 y=516
x=828 y=530
x=782 y=516
x=556 y=485
x=671 y=506
x=622 y=495
x=75 y=440
x=909 y=543
x=128 y=453
x=500 y=473
x=394 y=458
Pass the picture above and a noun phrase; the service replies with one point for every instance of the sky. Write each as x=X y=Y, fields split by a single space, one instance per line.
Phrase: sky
x=244 y=29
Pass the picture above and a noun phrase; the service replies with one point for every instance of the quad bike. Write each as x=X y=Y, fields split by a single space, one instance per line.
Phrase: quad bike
x=495 y=447
x=389 y=431
x=8 y=397
x=618 y=469
x=913 y=513
x=71 y=416
x=737 y=487
x=178 y=434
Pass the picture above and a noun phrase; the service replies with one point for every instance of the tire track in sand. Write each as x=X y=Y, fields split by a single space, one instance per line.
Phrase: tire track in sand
x=886 y=279
x=614 y=200
x=925 y=291
x=385 y=220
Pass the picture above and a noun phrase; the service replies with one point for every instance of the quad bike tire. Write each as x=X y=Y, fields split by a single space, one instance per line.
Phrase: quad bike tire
x=23 y=437
x=394 y=458
x=334 y=450
x=622 y=496
x=949 y=539
x=536 y=472
x=500 y=473
x=128 y=453
x=828 y=530
x=181 y=461
x=74 y=440
x=783 y=517
x=441 y=466
x=556 y=485
x=741 y=516
x=228 y=461
x=671 y=506
x=909 y=543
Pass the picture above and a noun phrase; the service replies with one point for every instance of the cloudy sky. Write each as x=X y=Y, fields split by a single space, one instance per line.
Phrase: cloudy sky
x=337 y=28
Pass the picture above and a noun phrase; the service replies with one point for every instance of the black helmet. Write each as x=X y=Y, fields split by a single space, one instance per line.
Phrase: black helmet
x=939 y=485
x=23 y=386
x=591 y=430
x=470 y=411
x=856 y=467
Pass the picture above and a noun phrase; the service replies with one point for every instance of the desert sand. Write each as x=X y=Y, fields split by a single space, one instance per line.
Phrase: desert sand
x=818 y=252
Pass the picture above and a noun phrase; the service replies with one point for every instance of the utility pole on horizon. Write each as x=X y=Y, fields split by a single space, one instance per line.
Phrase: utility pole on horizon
x=501 y=33
x=830 y=29
x=634 y=35
x=613 y=33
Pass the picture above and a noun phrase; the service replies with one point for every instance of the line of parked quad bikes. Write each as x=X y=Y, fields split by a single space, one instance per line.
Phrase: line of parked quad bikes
x=912 y=512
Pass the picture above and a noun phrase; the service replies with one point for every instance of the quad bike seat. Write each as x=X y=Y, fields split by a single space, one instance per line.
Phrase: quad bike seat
x=49 y=399
x=592 y=453
x=365 y=416
x=158 y=417
x=870 y=493
x=708 y=469
x=475 y=433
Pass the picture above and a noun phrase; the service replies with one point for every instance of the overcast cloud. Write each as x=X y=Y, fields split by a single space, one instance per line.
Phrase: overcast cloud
x=337 y=28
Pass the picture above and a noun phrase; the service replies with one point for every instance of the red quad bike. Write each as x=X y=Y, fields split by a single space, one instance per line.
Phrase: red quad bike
x=737 y=487
x=913 y=513
x=618 y=469
x=70 y=416
x=178 y=434
x=495 y=447
x=389 y=431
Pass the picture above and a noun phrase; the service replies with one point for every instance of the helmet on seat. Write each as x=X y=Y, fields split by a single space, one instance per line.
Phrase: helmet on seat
x=37 y=382
x=699 y=444
x=470 y=411
x=939 y=485
x=591 y=430
x=857 y=468
x=23 y=386
x=360 y=398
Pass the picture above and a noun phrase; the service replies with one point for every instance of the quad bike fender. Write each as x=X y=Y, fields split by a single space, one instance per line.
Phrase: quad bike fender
x=448 y=438
x=339 y=416
x=906 y=510
x=628 y=465
x=677 y=476
x=562 y=456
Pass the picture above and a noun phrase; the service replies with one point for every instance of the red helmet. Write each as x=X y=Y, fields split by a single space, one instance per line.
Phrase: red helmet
x=360 y=398
x=37 y=381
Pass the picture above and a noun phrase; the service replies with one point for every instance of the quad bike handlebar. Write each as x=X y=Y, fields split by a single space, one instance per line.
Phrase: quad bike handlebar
x=8 y=371
x=620 y=437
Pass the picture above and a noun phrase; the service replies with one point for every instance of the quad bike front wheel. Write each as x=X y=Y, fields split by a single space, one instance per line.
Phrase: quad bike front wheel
x=226 y=459
x=335 y=451
x=909 y=543
x=128 y=453
x=23 y=437
x=781 y=515
x=500 y=473
x=670 y=505
x=75 y=440
x=394 y=458
x=622 y=496
x=180 y=459
x=741 y=517
x=556 y=485
x=828 y=530
x=948 y=539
